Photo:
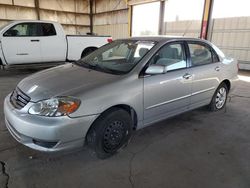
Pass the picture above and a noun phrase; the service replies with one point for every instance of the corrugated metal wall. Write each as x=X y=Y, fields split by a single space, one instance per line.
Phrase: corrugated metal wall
x=189 y=28
x=111 y=18
x=232 y=35
x=72 y=14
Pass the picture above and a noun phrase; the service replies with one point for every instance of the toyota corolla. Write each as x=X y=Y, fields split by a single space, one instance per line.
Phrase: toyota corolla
x=123 y=86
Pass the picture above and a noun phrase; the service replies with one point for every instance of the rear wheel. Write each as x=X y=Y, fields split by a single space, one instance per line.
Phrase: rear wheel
x=87 y=51
x=110 y=132
x=220 y=98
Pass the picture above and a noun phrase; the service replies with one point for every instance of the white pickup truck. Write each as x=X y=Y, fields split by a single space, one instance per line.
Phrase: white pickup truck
x=26 y=42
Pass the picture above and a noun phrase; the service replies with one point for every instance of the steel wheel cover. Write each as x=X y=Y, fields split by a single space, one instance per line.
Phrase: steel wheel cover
x=113 y=136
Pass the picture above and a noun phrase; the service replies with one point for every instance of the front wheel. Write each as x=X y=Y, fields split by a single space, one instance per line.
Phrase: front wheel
x=110 y=132
x=220 y=98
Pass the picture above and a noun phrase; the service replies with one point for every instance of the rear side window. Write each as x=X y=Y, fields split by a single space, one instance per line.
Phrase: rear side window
x=200 y=54
x=48 y=29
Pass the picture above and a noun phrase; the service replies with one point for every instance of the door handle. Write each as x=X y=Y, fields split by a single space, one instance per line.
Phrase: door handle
x=217 y=68
x=36 y=40
x=187 y=76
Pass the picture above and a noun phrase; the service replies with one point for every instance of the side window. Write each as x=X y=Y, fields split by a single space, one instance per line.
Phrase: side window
x=200 y=54
x=48 y=29
x=172 y=56
x=23 y=29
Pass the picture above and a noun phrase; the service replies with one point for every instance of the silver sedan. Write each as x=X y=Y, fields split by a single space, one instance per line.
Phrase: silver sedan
x=123 y=86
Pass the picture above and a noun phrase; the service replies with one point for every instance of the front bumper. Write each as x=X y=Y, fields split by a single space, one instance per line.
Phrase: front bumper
x=46 y=133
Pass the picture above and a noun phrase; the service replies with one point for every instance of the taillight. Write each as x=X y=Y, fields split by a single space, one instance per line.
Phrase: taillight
x=109 y=40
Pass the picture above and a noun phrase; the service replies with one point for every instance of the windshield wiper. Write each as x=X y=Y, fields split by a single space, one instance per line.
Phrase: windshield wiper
x=97 y=67
x=84 y=64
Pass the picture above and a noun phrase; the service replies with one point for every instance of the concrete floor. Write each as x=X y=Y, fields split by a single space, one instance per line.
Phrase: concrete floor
x=198 y=149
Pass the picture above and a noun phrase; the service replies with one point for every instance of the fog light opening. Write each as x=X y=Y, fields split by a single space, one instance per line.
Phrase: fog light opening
x=44 y=144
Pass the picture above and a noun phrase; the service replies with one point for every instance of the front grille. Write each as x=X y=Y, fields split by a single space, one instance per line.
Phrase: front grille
x=19 y=99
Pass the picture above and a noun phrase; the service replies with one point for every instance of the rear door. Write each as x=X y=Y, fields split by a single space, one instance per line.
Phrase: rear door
x=21 y=44
x=53 y=43
x=205 y=68
x=167 y=94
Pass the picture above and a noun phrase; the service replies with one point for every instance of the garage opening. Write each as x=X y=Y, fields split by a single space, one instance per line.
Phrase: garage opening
x=230 y=29
x=145 y=19
x=183 y=18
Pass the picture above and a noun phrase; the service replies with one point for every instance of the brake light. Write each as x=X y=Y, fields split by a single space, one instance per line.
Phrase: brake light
x=109 y=40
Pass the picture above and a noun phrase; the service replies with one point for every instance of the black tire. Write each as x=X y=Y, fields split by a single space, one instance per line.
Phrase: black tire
x=110 y=132
x=217 y=98
x=87 y=52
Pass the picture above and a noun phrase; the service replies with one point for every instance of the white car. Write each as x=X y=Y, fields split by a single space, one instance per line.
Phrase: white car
x=24 y=42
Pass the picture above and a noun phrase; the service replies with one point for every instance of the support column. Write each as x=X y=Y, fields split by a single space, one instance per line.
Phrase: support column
x=207 y=11
x=91 y=16
x=130 y=12
x=130 y=20
x=37 y=9
x=161 y=18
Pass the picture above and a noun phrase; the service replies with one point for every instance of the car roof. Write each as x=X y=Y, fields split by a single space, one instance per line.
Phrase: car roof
x=166 y=38
x=163 y=38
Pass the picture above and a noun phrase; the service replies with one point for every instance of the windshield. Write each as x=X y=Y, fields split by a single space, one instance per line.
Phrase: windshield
x=118 y=57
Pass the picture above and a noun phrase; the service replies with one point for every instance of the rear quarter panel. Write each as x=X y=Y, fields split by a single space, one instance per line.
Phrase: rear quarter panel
x=229 y=71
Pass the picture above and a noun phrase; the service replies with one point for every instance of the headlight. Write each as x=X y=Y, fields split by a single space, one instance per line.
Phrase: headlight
x=59 y=106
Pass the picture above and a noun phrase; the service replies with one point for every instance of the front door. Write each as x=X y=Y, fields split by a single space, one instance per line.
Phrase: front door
x=21 y=44
x=167 y=94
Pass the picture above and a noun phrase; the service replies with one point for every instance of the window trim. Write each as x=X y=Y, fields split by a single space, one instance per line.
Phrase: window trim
x=40 y=27
x=212 y=51
x=182 y=43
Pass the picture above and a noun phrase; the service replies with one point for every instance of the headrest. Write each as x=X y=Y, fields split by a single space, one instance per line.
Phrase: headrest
x=200 y=52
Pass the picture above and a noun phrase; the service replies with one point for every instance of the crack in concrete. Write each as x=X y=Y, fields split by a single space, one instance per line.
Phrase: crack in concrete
x=230 y=97
x=9 y=148
x=131 y=179
x=237 y=96
x=131 y=175
x=5 y=174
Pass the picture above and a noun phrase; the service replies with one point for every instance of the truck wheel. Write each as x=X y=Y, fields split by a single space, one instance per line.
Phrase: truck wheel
x=110 y=132
x=219 y=99
x=1 y=65
x=87 y=51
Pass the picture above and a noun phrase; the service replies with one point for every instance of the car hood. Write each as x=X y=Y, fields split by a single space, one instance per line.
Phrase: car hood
x=65 y=80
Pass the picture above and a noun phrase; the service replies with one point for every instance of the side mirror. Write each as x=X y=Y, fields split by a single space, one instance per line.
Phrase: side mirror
x=156 y=69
